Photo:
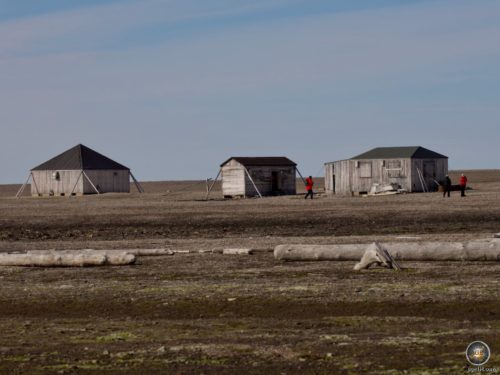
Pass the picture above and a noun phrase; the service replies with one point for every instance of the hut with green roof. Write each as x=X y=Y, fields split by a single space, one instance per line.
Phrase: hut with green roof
x=413 y=169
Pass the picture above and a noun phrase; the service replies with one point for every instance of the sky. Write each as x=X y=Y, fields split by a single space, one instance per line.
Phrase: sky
x=172 y=88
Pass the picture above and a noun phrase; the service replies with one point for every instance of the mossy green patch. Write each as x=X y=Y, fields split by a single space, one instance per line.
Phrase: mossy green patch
x=117 y=336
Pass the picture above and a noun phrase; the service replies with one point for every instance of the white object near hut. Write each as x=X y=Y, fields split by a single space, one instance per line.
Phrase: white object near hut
x=413 y=169
x=258 y=176
x=77 y=171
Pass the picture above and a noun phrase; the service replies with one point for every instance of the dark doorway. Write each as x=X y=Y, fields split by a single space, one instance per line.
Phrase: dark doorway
x=275 y=188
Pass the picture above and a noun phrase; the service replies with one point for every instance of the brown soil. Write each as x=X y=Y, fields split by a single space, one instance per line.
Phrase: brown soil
x=219 y=314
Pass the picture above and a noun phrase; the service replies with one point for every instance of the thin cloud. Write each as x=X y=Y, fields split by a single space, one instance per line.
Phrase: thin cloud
x=107 y=25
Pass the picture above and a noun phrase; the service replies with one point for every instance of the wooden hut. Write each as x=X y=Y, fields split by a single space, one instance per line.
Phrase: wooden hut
x=258 y=176
x=413 y=169
x=79 y=170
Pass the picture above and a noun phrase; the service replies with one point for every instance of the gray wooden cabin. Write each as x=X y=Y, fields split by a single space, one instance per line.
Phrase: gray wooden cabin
x=80 y=170
x=270 y=175
x=412 y=168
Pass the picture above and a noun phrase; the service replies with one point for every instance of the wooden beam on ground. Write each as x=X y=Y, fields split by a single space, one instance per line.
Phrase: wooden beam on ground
x=72 y=258
x=476 y=250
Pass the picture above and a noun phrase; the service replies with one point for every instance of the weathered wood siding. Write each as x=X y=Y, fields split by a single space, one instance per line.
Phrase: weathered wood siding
x=235 y=181
x=47 y=184
x=354 y=176
x=432 y=170
x=263 y=179
x=329 y=178
x=107 y=181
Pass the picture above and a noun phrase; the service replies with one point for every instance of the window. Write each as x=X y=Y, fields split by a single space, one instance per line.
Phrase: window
x=56 y=176
x=365 y=168
x=393 y=168
x=393 y=164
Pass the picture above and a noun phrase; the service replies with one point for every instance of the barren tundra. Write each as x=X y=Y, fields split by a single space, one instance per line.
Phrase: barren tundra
x=208 y=313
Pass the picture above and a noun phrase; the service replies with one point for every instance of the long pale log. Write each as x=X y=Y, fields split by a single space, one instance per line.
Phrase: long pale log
x=67 y=258
x=478 y=250
x=137 y=252
x=52 y=260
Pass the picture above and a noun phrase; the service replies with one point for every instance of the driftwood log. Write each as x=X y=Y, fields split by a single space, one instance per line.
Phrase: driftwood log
x=138 y=252
x=478 y=250
x=66 y=259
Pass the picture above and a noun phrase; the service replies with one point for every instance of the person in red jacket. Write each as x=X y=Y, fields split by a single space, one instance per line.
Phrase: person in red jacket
x=463 y=184
x=309 y=187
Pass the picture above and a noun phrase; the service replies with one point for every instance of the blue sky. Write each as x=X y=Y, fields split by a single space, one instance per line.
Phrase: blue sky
x=171 y=88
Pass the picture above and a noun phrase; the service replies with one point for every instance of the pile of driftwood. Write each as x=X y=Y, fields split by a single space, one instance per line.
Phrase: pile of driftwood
x=77 y=258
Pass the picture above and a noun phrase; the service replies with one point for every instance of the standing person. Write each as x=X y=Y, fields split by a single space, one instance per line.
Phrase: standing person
x=309 y=187
x=463 y=184
x=447 y=186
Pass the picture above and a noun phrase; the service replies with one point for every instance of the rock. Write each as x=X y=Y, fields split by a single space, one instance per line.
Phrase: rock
x=161 y=349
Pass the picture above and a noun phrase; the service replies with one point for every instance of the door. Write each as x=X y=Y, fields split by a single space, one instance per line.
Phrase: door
x=429 y=173
x=275 y=182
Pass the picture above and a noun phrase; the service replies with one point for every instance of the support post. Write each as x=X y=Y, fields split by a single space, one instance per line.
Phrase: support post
x=137 y=184
x=253 y=183
x=212 y=185
x=422 y=181
x=20 y=191
x=34 y=183
x=78 y=179
x=88 y=179
x=303 y=180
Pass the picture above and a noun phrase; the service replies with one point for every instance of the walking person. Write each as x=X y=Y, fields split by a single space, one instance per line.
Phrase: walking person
x=463 y=184
x=447 y=186
x=309 y=187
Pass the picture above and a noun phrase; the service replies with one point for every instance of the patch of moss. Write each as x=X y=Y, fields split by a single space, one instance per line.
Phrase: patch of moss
x=16 y=358
x=117 y=336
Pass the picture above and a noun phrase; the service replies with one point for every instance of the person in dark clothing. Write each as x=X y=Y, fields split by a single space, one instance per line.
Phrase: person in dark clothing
x=463 y=184
x=447 y=186
x=309 y=187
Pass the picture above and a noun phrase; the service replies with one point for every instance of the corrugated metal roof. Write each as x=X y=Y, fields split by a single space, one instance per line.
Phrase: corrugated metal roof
x=262 y=161
x=78 y=158
x=413 y=152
